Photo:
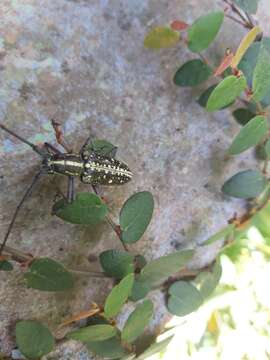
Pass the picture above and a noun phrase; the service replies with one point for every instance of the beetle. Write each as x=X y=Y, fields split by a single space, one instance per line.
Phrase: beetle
x=87 y=165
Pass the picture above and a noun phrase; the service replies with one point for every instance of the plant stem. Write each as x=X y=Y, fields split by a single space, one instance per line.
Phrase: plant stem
x=94 y=274
x=17 y=255
x=116 y=228
x=236 y=20
x=247 y=21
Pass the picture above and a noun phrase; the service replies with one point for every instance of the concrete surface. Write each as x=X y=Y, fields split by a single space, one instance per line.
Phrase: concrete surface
x=83 y=63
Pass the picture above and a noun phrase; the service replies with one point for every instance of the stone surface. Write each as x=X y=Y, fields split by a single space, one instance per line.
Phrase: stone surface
x=83 y=63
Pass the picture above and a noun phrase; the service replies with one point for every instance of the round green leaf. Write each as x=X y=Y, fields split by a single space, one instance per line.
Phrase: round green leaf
x=156 y=271
x=117 y=263
x=135 y=216
x=48 y=275
x=242 y=116
x=102 y=147
x=261 y=76
x=203 y=99
x=184 y=298
x=192 y=73
x=33 y=339
x=250 y=135
x=226 y=92
x=204 y=31
x=267 y=148
x=109 y=349
x=140 y=290
x=93 y=333
x=161 y=37
x=249 y=60
x=87 y=208
x=155 y=348
x=245 y=184
x=250 y=6
x=5 y=265
x=137 y=321
x=118 y=296
x=209 y=280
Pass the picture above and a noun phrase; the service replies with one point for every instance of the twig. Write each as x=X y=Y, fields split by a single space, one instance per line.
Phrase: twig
x=116 y=228
x=203 y=58
x=265 y=164
x=17 y=255
x=250 y=19
x=60 y=136
x=236 y=20
x=247 y=21
x=94 y=274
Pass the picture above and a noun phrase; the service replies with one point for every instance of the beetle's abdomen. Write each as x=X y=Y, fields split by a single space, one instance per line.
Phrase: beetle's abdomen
x=101 y=170
x=66 y=164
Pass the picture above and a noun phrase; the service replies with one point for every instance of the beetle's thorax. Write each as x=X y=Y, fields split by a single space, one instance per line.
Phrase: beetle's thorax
x=65 y=164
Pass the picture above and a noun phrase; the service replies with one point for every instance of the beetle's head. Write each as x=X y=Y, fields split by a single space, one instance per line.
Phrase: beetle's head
x=47 y=165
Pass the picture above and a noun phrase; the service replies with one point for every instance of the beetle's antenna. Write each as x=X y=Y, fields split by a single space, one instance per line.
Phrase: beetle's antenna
x=25 y=196
x=33 y=146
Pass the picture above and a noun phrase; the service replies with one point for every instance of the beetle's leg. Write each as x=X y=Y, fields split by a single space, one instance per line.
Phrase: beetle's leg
x=60 y=136
x=49 y=147
x=25 y=196
x=96 y=189
x=70 y=191
x=33 y=146
x=88 y=142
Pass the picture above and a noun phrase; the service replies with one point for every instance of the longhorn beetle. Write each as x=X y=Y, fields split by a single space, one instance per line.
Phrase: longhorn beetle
x=91 y=167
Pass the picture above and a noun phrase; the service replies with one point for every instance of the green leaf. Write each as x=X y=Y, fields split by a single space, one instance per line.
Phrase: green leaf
x=135 y=216
x=184 y=298
x=140 y=290
x=117 y=263
x=204 y=31
x=245 y=184
x=250 y=6
x=93 y=333
x=249 y=60
x=118 y=296
x=137 y=321
x=5 y=265
x=192 y=73
x=203 y=99
x=87 y=208
x=267 y=148
x=129 y=357
x=242 y=116
x=250 y=135
x=210 y=280
x=102 y=147
x=161 y=37
x=155 y=348
x=109 y=349
x=261 y=76
x=156 y=271
x=48 y=275
x=226 y=92
x=33 y=339
x=234 y=250
x=226 y=231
